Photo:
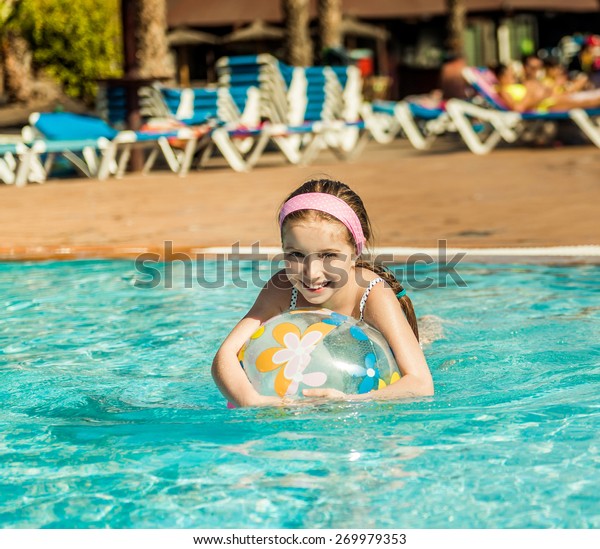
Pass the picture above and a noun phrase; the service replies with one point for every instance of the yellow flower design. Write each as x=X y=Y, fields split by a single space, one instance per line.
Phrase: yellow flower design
x=293 y=356
x=395 y=377
x=255 y=335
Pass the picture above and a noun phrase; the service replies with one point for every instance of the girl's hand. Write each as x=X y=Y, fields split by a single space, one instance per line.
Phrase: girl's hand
x=331 y=394
x=263 y=401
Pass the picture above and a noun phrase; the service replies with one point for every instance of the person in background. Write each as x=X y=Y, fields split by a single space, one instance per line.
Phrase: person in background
x=535 y=96
x=533 y=69
x=452 y=82
x=557 y=79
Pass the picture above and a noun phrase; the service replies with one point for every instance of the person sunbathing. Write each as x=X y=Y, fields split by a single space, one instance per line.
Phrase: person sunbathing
x=558 y=80
x=534 y=96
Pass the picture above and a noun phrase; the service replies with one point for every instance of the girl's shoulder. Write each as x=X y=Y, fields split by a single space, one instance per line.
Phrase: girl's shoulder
x=378 y=301
x=367 y=274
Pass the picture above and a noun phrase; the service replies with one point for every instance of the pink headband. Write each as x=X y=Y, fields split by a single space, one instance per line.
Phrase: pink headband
x=330 y=204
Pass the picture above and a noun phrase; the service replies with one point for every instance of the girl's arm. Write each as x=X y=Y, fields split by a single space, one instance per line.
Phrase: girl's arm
x=226 y=369
x=384 y=313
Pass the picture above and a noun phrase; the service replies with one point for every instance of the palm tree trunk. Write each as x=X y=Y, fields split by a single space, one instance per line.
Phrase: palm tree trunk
x=330 y=19
x=298 y=45
x=16 y=70
x=457 y=15
x=153 y=50
x=16 y=56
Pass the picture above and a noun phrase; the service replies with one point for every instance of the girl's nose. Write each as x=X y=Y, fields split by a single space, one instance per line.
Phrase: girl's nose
x=313 y=267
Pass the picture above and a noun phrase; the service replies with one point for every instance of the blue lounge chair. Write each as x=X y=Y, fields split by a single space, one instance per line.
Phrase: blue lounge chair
x=240 y=74
x=97 y=149
x=196 y=106
x=505 y=124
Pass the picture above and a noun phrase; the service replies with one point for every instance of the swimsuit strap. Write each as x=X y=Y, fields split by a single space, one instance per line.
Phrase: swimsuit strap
x=363 y=300
x=294 y=299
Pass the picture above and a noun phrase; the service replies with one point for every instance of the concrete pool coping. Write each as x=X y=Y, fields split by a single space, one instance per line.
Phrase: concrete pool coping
x=564 y=255
x=514 y=203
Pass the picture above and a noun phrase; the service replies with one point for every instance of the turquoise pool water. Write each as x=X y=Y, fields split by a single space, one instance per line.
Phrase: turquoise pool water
x=109 y=417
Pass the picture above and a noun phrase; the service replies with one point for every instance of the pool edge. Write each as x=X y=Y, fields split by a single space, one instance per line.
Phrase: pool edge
x=564 y=255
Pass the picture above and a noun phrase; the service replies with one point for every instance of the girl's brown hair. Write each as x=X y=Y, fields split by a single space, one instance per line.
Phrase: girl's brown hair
x=345 y=193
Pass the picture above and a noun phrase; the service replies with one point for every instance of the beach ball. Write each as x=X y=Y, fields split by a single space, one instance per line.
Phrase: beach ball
x=309 y=348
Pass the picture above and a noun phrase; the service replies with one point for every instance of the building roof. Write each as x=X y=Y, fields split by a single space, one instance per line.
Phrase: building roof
x=539 y=5
x=234 y=12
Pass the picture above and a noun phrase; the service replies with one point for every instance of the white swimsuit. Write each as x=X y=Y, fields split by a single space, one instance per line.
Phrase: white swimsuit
x=363 y=299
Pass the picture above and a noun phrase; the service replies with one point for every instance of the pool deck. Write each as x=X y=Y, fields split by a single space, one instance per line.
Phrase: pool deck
x=516 y=204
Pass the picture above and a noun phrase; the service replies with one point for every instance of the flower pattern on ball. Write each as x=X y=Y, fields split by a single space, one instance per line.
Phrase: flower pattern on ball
x=293 y=357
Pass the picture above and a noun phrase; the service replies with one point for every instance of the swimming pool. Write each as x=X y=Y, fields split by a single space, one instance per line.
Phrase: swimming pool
x=109 y=417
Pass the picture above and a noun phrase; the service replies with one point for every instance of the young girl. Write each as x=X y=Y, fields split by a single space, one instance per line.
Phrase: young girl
x=324 y=227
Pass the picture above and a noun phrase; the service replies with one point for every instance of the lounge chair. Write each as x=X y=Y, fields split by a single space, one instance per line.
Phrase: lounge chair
x=302 y=106
x=194 y=106
x=8 y=162
x=97 y=149
x=420 y=118
x=334 y=98
x=350 y=84
x=17 y=163
x=238 y=134
x=264 y=73
x=267 y=81
x=505 y=124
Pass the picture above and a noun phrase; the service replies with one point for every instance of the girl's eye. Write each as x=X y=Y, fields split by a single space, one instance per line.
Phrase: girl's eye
x=295 y=255
x=329 y=255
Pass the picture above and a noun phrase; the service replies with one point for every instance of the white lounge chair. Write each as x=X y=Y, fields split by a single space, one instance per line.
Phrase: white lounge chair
x=17 y=163
x=505 y=124
x=420 y=119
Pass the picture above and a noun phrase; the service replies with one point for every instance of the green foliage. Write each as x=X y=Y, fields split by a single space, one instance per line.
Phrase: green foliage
x=7 y=11
x=75 y=42
x=9 y=16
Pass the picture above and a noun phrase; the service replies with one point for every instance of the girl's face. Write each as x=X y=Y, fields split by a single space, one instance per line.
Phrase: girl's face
x=319 y=258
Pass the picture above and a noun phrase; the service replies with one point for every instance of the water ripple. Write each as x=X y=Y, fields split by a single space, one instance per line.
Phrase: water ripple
x=110 y=416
